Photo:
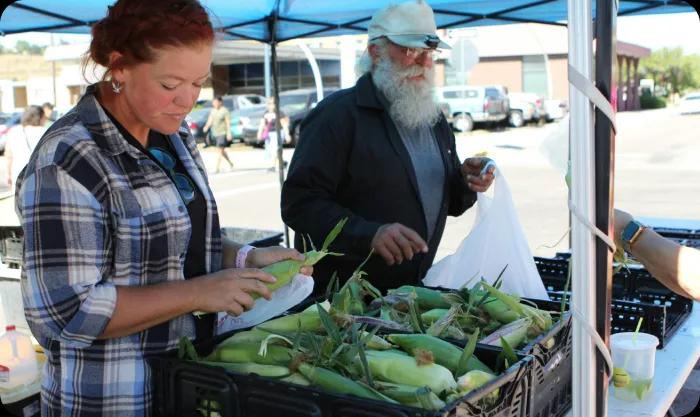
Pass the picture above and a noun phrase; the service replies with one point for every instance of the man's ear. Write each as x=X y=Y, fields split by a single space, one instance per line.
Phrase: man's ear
x=373 y=51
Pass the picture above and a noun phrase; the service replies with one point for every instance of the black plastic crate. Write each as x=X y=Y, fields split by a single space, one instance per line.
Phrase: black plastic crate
x=554 y=273
x=635 y=294
x=685 y=237
x=678 y=233
x=550 y=395
x=254 y=237
x=181 y=386
x=658 y=319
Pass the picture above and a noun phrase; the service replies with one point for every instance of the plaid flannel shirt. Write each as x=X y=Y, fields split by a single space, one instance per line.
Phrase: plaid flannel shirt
x=98 y=213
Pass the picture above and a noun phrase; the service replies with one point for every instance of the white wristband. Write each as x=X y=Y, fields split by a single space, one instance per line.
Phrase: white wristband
x=242 y=255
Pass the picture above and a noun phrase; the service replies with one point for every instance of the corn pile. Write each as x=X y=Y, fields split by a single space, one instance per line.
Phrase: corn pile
x=395 y=348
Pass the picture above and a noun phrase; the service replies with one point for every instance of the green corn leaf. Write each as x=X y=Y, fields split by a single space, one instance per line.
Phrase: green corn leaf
x=333 y=286
x=414 y=318
x=186 y=350
x=328 y=323
x=508 y=352
x=499 y=278
x=333 y=234
x=467 y=353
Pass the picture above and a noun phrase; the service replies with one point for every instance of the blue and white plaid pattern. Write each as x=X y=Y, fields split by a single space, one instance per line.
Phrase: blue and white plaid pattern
x=98 y=213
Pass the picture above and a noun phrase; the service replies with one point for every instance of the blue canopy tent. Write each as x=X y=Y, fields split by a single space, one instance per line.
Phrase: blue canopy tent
x=591 y=131
x=305 y=18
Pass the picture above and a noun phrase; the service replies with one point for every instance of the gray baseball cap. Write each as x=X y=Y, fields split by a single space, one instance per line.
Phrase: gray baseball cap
x=410 y=24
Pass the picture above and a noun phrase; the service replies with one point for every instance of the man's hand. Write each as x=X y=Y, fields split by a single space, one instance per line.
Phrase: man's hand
x=473 y=176
x=395 y=243
x=261 y=257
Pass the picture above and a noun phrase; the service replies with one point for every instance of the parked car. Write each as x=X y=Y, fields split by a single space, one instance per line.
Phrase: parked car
x=7 y=121
x=196 y=120
x=239 y=106
x=296 y=104
x=524 y=108
x=555 y=109
x=236 y=101
x=690 y=103
x=474 y=104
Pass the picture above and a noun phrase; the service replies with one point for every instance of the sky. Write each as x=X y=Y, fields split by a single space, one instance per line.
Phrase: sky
x=653 y=31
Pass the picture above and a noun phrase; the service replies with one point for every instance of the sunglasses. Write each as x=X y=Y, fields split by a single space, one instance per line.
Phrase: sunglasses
x=182 y=182
x=414 y=53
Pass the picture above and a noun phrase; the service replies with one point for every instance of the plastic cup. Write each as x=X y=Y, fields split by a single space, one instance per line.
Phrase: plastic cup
x=635 y=355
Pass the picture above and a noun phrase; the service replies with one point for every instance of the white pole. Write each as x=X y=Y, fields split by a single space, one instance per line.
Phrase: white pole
x=348 y=58
x=583 y=198
x=314 y=68
x=266 y=70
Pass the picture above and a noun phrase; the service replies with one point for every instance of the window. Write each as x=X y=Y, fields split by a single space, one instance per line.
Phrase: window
x=535 y=75
x=20 y=95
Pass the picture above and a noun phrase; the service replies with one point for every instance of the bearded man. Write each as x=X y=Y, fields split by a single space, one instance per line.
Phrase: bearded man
x=382 y=154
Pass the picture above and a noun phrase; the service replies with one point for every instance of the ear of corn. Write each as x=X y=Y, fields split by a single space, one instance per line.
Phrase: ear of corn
x=333 y=381
x=410 y=395
x=248 y=352
x=248 y=336
x=427 y=298
x=499 y=310
x=514 y=333
x=285 y=270
x=375 y=342
x=445 y=353
x=308 y=320
x=433 y=315
x=270 y=371
x=297 y=379
x=402 y=369
x=475 y=379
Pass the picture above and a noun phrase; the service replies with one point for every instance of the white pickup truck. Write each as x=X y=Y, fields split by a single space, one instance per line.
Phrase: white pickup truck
x=469 y=104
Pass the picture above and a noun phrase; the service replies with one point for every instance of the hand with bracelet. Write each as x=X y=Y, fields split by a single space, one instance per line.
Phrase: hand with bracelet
x=674 y=265
x=230 y=288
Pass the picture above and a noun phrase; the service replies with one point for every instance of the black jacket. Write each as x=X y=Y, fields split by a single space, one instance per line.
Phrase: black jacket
x=351 y=162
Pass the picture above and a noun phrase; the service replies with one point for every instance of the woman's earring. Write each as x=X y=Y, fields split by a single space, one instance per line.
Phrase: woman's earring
x=116 y=86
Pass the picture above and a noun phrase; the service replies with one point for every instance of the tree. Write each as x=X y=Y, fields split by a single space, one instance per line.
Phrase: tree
x=671 y=69
x=24 y=47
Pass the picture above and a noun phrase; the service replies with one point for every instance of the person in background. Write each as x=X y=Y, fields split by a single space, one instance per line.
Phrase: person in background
x=219 y=122
x=674 y=265
x=382 y=154
x=122 y=241
x=48 y=112
x=267 y=132
x=21 y=141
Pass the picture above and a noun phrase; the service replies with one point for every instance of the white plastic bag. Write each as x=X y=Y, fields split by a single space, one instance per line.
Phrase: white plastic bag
x=282 y=300
x=496 y=240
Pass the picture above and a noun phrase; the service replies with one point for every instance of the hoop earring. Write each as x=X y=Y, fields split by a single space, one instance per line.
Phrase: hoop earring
x=116 y=86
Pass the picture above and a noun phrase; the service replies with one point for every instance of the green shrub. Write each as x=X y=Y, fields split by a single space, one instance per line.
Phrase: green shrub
x=647 y=101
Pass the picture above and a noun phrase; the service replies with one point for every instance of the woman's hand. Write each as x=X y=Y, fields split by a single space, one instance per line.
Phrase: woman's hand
x=261 y=257
x=622 y=218
x=229 y=290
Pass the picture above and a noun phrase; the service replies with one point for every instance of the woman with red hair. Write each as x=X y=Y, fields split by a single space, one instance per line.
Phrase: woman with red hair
x=121 y=232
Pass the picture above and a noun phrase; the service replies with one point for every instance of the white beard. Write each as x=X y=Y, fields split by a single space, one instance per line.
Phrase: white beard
x=411 y=102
